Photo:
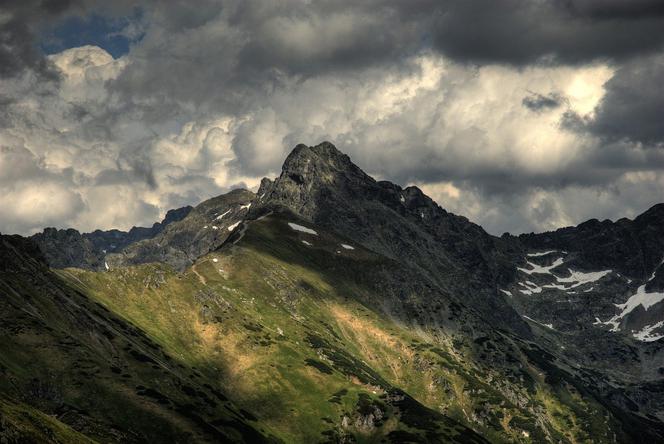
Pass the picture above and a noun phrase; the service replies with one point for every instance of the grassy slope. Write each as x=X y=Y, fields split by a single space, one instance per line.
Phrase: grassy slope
x=68 y=363
x=294 y=345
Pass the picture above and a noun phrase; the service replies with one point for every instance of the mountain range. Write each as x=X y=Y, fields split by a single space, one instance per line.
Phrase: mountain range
x=331 y=307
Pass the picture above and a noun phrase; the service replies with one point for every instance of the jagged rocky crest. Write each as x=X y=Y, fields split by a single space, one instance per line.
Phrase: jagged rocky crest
x=204 y=229
x=69 y=248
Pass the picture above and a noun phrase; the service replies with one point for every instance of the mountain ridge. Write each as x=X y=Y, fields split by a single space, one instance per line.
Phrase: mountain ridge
x=419 y=315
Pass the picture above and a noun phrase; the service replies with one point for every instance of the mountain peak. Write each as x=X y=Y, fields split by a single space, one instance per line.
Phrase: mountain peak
x=325 y=150
x=312 y=177
x=322 y=162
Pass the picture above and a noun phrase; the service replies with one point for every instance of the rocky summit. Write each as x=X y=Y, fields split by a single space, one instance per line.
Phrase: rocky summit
x=330 y=307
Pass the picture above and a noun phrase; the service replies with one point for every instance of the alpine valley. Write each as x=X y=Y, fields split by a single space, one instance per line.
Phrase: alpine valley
x=331 y=307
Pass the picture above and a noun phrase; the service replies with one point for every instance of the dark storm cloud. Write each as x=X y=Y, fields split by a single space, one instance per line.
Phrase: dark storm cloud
x=615 y=9
x=539 y=102
x=591 y=171
x=233 y=53
x=331 y=36
x=18 y=51
x=522 y=32
x=633 y=107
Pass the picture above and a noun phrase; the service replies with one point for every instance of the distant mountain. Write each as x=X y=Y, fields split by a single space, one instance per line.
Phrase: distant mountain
x=602 y=275
x=330 y=307
x=69 y=248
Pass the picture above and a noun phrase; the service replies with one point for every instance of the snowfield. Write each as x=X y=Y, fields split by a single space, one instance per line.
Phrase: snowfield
x=574 y=280
x=646 y=300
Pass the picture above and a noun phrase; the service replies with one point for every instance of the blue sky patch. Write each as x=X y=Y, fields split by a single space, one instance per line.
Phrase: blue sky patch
x=104 y=32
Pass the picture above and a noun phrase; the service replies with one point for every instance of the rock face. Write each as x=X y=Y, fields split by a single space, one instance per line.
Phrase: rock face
x=69 y=248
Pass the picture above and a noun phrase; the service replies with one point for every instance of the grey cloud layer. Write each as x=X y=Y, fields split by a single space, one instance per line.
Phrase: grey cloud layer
x=556 y=31
x=512 y=112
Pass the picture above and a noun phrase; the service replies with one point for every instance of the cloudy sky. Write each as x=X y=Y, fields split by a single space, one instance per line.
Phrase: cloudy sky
x=519 y=114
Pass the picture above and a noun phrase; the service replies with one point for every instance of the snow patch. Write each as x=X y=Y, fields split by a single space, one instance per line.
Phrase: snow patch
x=232 y=227
x=402 y=199
x=221 y=216
x=540 y=323
x=297 y=227
x=215 y=260
x=306 y=243
x=556 y=286
x=508 y=293
x=347 y=247
x=106 y=265
x=531 y=288
x=245 y=207
x=543 y=253
x=646 y=335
